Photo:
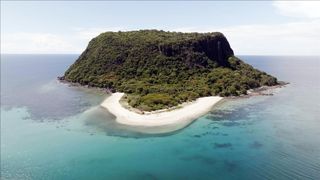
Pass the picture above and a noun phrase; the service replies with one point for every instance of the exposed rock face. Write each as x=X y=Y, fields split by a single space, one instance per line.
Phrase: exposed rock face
x=215 y=47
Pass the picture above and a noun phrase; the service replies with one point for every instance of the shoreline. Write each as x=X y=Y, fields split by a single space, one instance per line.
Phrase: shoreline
x=178 y=116
x=166 y=120
x=259 y=91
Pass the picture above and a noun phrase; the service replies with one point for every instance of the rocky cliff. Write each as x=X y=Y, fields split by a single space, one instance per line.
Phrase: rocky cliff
x=215 y=46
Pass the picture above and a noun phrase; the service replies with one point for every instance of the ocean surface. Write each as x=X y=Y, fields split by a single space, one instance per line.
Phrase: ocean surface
x=50 y=130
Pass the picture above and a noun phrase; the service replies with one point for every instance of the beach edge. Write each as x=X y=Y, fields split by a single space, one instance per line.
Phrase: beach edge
x=185 y=115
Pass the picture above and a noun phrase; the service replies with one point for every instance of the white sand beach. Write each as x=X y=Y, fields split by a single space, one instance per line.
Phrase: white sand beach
x=184 y=115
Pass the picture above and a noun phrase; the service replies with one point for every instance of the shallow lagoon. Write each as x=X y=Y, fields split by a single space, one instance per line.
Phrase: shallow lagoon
x=52 y=131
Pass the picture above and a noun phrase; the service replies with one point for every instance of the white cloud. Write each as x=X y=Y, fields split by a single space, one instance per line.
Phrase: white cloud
x=35 y=43
x=72 y=42
x=299 y=38
x=302 y=9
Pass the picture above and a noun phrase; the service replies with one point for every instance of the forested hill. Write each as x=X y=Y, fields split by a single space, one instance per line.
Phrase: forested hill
x=159 y=69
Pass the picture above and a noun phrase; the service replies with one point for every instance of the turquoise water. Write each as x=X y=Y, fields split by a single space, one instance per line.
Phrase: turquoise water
x=52 y=131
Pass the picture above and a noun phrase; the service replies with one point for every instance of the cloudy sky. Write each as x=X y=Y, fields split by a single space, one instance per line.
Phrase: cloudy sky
x=252 y=28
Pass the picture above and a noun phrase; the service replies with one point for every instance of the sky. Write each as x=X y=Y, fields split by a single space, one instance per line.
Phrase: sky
x=251 y=27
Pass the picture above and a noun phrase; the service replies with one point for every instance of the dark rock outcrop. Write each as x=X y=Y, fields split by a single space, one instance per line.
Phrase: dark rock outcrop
x=215 y=47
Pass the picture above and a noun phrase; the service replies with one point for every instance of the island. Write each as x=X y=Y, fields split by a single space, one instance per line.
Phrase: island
x=159 y=78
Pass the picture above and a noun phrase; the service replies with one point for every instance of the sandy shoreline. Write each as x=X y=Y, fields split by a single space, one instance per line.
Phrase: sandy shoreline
x=184 y=115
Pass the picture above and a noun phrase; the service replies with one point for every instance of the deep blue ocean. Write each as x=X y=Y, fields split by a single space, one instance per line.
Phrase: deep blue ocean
x=50 y=130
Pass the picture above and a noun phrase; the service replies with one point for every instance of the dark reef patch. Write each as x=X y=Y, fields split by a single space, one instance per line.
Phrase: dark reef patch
x=255 y=145
x=202 y=159
x=210 y=133
x=222 y=145
x=230 y=165
x=231 y=123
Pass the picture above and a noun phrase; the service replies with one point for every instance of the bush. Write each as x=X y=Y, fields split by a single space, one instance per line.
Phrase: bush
x=155 y=101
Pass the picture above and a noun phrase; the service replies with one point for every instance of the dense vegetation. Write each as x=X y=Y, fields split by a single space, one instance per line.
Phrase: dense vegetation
x=159 y=69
